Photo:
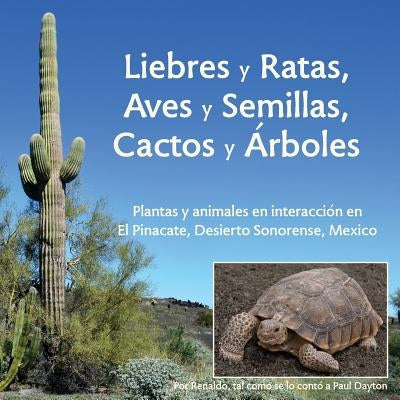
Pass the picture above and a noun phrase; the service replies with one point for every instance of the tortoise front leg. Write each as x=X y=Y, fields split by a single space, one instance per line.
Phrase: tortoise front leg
x=369 y=343
x=239 y=331
x=317 y=360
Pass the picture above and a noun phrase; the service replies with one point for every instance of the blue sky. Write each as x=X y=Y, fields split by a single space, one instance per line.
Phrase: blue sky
x=93 y=38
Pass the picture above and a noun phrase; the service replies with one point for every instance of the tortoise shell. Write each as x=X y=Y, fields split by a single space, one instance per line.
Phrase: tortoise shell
x=324 y=306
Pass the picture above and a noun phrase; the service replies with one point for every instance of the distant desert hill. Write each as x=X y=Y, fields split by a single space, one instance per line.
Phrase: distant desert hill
x=171 y=312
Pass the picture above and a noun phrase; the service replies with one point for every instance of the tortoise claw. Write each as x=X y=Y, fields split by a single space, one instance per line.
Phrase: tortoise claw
x=230 y=356
x=369 y=344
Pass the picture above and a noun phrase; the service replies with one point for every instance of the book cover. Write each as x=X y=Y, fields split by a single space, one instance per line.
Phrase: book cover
x=197 y=200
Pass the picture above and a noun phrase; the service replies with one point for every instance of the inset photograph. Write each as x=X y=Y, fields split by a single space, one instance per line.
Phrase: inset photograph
x=300 y=319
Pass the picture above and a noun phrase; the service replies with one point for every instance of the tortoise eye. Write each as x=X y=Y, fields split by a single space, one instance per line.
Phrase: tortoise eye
x=276 y=329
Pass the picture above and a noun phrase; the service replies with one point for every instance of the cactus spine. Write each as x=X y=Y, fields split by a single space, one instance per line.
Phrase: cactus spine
x=26 y=344
x=44 y=174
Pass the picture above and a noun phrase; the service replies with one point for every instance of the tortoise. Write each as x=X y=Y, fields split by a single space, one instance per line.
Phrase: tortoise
x=310 y=314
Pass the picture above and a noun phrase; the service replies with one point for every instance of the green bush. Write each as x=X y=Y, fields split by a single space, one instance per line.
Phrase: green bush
x=149 y=378
x=70 y=375
x=394 y=366
x=5 y=361
x=187 y=350
x=105 y=324
x=96 y=341
x=205 y=318
x=393 y=384
x=127 y=333
x=394 y=344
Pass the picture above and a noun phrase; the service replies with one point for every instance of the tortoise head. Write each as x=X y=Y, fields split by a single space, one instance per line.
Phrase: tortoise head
x=272 y=332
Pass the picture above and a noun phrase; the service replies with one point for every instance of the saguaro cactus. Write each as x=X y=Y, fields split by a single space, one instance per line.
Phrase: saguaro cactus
x=26 y=337
x=44 y=174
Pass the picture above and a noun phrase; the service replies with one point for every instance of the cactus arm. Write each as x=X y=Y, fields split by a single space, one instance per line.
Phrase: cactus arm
x=11 y=374
x=26 y=170
x=19 y=324
x=23 y=332
x=39 y=159
x=1 y=355
x=33 y=349
x=10 y=302
x=28 y=179
x=72 y=164
x=17 y=359
x=32 y=305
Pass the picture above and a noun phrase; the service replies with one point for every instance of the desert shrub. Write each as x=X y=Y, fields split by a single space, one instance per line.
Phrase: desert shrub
x=96 y=342
x=15 y=274
x=394 y=344
x=105 y=323
x=393 y=384
x=39 y=374
x=67 y=374
x=99 y=337
x=90 y=352
x=149 y=378
x=205 y=318
x=394 y=366
x=74 y=375
x=5 y=360
x=14 y=271
x=192 y=394
x=186 y=350
x=203 y=361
